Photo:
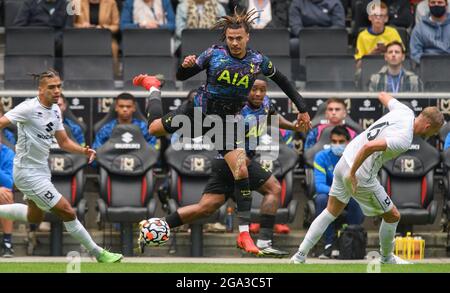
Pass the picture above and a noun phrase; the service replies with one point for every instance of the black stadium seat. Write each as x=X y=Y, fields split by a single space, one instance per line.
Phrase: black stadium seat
x=330 y=73
x=28 y=50
x=12 y=8
x=409 y=181
x=435 y=72
x=87 y=67
x=194 y=42
x=189 y=171
x=273 y=43
x=147 y=51
x=322 y=41
x=282 y=167
x=126 y=181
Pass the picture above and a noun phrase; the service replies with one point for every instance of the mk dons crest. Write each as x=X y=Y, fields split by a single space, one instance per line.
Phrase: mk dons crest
x=127 y=164
x=407 y=165
x=105 y=104
x=366 y=123
x=444 y=105
x=267 y=165
x=7 y=103
x=198 y=164
x=57 y=164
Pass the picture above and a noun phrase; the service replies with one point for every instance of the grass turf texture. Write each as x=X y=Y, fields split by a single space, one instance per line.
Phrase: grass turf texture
x=218 y=268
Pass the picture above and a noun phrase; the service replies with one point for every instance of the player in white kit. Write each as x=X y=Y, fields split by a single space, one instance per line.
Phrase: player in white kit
x=38 y=122
x=356 y=172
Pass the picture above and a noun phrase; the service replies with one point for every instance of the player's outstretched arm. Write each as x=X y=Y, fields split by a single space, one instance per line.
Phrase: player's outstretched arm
x=188 y=68
x=385 y=98
x=70 y=146
x=4 y=122
x=369 y=148
x=286 y=124
x=303 y=119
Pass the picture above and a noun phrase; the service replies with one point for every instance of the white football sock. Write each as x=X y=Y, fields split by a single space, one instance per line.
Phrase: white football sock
x=77 y=231
x=387 y=234
x=243 y=228
x=316 y=230
x=14 y=212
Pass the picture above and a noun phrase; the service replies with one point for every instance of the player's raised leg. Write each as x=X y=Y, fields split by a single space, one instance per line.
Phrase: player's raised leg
x=154 y=108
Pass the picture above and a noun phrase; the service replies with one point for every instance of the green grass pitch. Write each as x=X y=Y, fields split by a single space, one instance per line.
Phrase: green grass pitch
x=49 y=267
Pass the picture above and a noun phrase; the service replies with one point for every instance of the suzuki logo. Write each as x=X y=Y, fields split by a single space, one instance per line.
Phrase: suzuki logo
x=127 y=137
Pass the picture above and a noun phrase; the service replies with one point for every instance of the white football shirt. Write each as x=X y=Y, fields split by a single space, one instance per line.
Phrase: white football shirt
x=396 y=127
x=36 y=125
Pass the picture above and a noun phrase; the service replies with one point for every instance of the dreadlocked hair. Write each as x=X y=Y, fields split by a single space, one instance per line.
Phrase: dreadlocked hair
x=40 y=77
x=237 y=20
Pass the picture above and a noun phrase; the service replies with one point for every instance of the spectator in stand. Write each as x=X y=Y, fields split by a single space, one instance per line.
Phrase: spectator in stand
x=47 y=13
x=423 y=10
x=393 y=77
x=272 y=14
x=373 y=40
x=6 y=196
x=148 y=14
x=8 y=134
x=101 y=14
x=196 y=14
x=310 y=13
x=399 y=12
x=74 y=127
x=335 y=114
x=125 y=106
x=432 y=34
x=324 y=163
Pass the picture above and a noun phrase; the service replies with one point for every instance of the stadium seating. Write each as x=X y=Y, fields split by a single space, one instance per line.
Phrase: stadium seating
x=147 y=51
x=277 y=49
x=28 y=50
x=68 y=177
x=11 y=7
x=189 y=171
x=87 y=67
x=371 y=64
x=409 y=181
x=330 y=73
x=194 y=42
x=446 y=206
x=281 y=165
x=126 y=181
x=308 y=156
x=435 y=72
x=322 y=41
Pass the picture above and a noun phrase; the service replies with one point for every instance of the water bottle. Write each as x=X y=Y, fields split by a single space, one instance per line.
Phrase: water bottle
x=229 y=219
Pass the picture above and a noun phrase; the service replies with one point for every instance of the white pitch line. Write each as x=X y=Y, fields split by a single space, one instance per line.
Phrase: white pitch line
x=209 y=260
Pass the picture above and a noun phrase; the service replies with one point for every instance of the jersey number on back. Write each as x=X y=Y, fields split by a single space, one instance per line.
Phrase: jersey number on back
x=375 y=130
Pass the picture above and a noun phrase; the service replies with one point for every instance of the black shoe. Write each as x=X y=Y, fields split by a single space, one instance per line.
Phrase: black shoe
x=326 y=254
x=8 y=251
x=270 y=251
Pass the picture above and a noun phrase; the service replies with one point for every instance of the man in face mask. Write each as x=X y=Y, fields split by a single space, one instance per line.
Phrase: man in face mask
x=324 y=163
x=432 y=34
